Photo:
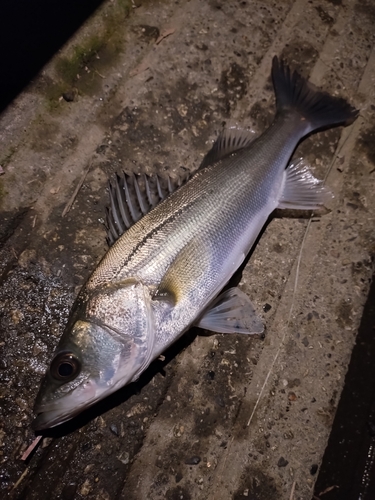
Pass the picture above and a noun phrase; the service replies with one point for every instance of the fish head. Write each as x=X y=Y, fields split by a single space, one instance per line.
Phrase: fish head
x=98 y=353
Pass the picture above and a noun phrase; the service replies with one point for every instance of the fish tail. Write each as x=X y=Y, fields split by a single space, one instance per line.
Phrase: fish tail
x=316 y=109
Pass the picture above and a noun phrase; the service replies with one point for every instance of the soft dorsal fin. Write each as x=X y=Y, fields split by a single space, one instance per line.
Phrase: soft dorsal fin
x=229 y=141
x=132 y=197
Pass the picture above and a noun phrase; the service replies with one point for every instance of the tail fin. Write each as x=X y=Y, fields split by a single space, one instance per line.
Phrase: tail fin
x=317 y=109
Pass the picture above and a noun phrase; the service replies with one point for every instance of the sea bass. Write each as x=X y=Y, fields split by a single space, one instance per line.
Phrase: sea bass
x=166 y=271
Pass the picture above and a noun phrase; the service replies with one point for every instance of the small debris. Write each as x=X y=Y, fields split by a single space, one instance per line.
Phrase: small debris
x=114 y=430
x=31 y=448
x=20 y=479
x=46 y=442
x=291 y=497
x=282 y=462
x=327 y=490
x=267 y=307
x=137 y=409
x=178 y=430
x=124 y=457
x=88 y=468
x=2 y=171
x=69 y=96
x=79 y=185
x=194 y=460
x=143 y=66
x=292 y=396
x=85 y=488
x=288 y=435
x=164 y=34
x=313 y=469
x=182 y=109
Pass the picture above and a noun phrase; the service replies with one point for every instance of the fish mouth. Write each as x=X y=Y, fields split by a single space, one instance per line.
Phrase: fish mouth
x=51 y=418
x=48 y=416
x=51 y=414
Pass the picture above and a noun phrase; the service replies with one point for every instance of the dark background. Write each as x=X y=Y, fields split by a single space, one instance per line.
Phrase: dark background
x=31 y=32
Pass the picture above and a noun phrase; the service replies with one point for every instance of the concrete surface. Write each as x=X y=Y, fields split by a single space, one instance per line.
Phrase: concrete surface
x=222 y=417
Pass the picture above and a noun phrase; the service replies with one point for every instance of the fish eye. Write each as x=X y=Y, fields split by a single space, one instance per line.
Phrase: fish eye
x=65 y=366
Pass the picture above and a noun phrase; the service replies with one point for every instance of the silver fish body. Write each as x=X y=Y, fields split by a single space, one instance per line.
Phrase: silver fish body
x=192 y=243
x=164 y=273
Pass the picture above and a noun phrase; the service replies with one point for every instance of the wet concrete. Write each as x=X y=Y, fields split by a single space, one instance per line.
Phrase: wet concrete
x=222 y=416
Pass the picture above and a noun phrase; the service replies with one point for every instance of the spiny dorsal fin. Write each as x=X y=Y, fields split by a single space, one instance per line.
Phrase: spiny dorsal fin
x=131 y=197
x=230 y=140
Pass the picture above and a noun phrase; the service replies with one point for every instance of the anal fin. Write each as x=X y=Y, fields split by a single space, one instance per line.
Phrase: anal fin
x=301 y=189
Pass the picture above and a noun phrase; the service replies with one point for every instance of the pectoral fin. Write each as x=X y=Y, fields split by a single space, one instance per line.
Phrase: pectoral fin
x=185 y=272
x=301 y=189
x=231 y=312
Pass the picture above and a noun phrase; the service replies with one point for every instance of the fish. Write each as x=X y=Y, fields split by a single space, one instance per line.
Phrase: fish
x=174 y=249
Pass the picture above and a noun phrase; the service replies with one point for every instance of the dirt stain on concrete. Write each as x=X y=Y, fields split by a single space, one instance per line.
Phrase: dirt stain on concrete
x=344 y=311
x=299 y=50
x=233 y=83
x=366 y=143
x=256 y=486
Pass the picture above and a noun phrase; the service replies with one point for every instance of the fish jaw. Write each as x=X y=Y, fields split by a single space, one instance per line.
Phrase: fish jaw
x=57 y=412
